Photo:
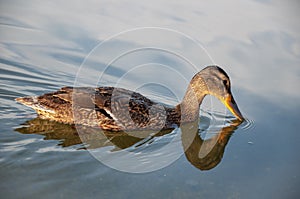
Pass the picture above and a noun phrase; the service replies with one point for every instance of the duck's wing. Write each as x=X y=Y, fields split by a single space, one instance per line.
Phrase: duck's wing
x=122 y=104
x=129 y=109
x=117 y=103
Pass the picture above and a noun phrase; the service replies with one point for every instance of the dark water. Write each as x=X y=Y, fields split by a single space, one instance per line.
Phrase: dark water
x=47 y=46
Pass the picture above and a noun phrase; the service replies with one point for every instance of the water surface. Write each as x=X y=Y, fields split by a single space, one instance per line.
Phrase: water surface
x=257 y=42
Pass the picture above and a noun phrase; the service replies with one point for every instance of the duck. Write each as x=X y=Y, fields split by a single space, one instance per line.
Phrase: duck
x=120 y=109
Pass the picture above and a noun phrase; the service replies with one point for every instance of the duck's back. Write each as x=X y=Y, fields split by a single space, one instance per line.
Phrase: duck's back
x=106 y=107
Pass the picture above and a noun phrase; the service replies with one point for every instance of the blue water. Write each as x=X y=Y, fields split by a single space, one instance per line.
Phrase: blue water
x=45 y=46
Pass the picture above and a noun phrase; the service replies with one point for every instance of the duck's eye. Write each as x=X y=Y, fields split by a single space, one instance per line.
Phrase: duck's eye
x=225 y=82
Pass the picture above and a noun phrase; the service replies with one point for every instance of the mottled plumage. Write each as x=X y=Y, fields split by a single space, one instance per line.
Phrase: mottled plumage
x=107 y=107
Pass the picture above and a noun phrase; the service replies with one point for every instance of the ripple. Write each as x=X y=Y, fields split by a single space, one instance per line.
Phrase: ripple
x=247 y=124
x=214 y=121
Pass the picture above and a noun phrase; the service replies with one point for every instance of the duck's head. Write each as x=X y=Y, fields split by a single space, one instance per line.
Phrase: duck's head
x=213 y=80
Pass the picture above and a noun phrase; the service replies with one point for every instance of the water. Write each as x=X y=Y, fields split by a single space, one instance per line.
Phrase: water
x=44 y=44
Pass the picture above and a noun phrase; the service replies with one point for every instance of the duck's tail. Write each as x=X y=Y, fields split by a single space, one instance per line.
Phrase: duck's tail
x=32 y=102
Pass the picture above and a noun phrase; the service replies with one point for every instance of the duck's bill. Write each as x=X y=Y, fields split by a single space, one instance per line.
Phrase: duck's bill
x=232 y=106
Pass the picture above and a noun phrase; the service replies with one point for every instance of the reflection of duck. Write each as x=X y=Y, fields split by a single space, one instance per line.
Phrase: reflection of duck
x=203 y=154
x=117 y=109
x=70 y=135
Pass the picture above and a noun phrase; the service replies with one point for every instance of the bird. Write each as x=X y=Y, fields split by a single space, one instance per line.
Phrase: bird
x=120 y=109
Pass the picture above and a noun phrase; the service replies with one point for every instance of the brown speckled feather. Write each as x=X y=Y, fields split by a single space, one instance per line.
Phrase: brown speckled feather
x=110 y=108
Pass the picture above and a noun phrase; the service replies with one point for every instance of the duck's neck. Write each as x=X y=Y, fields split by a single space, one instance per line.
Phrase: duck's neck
x=190 y=105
